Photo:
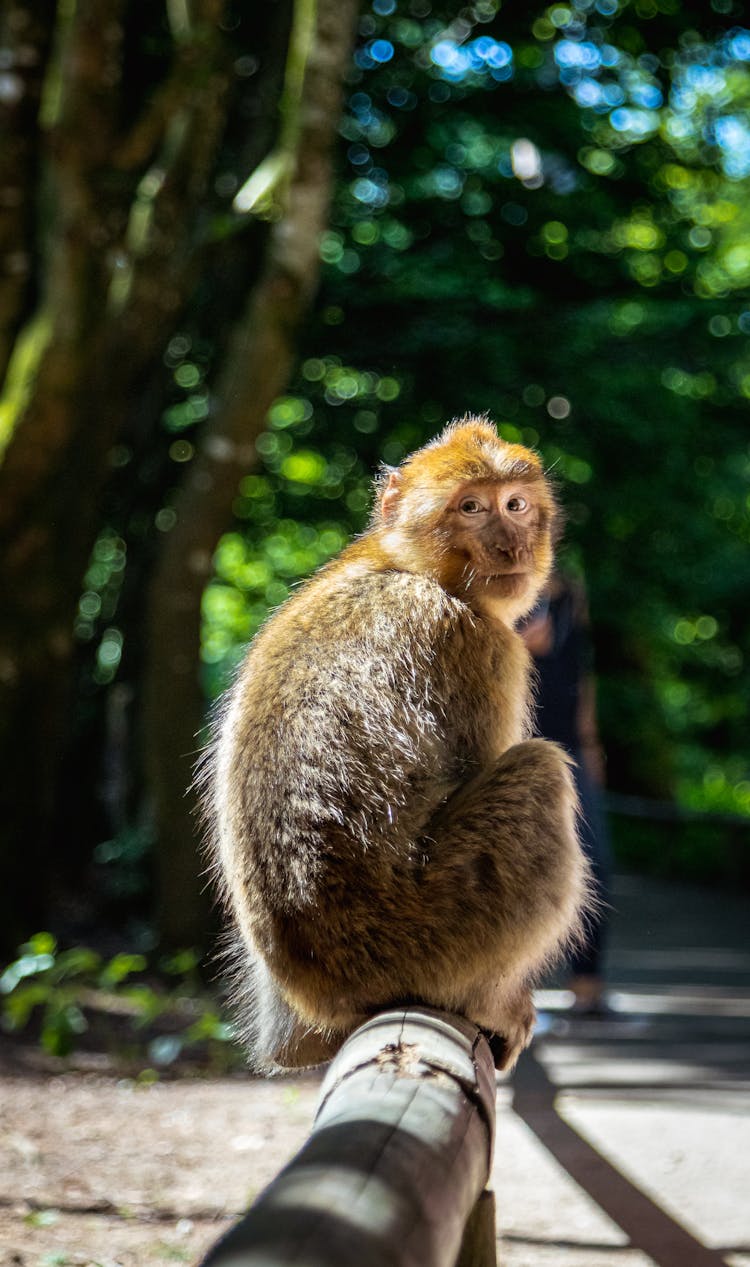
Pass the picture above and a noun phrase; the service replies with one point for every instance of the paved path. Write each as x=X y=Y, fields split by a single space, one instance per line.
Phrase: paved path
x=628 y=1141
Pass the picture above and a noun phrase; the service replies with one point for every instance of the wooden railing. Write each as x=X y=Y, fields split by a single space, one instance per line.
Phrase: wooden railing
x=394 y=1171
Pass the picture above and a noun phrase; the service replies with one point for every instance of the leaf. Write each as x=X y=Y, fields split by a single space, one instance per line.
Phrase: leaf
x=148 y=1003
x=27 y=966
x=181 y=963
x=18 y=1007
x=120 y=967
x=78 y=962
x=41 y=944
x=165 y=1049
x=62 y=1024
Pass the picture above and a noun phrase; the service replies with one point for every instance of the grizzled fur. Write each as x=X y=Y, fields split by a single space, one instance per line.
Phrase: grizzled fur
x=384 y=829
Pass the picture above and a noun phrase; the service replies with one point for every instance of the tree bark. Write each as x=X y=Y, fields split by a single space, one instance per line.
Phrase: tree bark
x=255 y=373
x=25 y=37
x=95 y=350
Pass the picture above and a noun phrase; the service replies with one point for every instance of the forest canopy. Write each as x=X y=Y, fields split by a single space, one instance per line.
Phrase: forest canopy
x=251 y=256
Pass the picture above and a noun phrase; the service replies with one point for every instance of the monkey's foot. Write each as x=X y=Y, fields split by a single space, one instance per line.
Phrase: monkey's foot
x=513 y=1036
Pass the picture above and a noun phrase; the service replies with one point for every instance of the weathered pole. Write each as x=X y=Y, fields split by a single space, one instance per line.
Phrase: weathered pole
x=395 y=1166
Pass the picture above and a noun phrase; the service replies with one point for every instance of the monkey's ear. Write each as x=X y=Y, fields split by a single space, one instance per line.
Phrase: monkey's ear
x=390 y=495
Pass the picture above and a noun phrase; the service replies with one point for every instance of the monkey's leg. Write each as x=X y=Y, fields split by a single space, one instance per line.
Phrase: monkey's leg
x=503 y=886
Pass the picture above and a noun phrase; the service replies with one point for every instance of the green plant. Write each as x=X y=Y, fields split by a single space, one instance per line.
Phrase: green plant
x=67 y=993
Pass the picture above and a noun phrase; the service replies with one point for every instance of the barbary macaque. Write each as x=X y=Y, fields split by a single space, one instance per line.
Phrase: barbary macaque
x=385 y=832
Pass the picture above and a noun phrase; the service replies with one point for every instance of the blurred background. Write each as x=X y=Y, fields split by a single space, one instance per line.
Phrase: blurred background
x=248 y=252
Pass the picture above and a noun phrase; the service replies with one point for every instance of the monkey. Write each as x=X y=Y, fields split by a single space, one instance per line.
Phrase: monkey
x=385 y=830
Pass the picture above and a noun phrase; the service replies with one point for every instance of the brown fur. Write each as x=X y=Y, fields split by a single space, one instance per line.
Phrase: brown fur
x=385 y=830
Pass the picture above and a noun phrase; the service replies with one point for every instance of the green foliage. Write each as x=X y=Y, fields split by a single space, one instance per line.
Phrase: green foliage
x=61 y=992
x=543 y=214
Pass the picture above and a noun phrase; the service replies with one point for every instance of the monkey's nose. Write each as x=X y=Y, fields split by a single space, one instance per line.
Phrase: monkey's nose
x=509 y=552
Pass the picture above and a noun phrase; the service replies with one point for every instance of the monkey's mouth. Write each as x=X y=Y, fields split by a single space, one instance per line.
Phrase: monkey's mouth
x=504 y=584
x=506 y=581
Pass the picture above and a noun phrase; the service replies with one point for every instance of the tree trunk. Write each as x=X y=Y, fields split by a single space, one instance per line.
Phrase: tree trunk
x=255 y=373
x=25 y=38
x=92 y=347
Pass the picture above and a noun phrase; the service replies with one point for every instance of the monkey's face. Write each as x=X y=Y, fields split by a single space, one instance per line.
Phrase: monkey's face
x=497 y=542
x=475 y=513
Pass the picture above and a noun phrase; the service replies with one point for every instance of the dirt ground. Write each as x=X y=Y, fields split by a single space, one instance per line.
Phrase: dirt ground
x=99 y=1170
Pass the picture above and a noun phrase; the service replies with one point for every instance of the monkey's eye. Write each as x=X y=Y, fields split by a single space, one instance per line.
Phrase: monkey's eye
x=470 y=506
x=517 y=504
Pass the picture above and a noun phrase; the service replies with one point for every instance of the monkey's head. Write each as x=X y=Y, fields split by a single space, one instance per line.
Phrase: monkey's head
x=475 y=513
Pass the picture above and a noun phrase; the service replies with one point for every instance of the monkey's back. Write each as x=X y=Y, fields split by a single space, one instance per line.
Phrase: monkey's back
x=343 y=734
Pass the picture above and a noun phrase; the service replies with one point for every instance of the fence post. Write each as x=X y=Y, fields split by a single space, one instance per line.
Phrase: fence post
x=393 y=1172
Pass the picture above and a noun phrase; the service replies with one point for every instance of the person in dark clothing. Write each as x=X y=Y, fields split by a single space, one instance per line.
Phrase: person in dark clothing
x=557 y=634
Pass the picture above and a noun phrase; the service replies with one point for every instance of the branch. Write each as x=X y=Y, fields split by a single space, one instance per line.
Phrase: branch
x=193 y=35
x=82 y=108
